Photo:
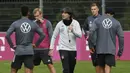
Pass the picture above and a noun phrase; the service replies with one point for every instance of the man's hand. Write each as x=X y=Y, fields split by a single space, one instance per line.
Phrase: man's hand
x=117 y=58
x=34 y=46
x=70 y=27
x=14 y=48
x=50 y=52
x=85 y=35
x=92 y=50
x=39 y=19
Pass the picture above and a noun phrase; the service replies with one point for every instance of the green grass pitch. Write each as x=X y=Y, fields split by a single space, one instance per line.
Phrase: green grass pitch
x=81 y=67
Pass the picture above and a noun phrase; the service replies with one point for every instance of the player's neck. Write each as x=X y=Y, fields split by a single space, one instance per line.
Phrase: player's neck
x=24 y=16
x=96 y=14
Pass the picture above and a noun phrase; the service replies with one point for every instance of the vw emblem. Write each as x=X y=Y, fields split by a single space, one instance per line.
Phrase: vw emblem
x=25 y=27
x=107 y=23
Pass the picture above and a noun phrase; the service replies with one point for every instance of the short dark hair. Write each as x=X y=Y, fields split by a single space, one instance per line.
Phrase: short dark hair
x=68 y=10
x=24 y=10
x=110 y=11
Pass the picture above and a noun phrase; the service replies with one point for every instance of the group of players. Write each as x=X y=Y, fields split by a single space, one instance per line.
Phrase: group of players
x=35 y=40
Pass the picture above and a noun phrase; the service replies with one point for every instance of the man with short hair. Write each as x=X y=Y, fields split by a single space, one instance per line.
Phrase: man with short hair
x=24 y=31
x=41 y=52
x=107 y=28
x=87 y=25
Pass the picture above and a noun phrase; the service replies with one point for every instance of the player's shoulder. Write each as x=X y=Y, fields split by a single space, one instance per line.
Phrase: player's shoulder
x=74 y=20
x=47 y=21
x=16 y=21
x=90 y=17
x=113 y=19
x=60 y=22
x=117 y=22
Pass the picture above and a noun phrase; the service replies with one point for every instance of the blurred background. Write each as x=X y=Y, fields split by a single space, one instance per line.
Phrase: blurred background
x=10 y=10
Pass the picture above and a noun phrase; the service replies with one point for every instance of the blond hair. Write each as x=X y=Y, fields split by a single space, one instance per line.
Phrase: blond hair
x=37 y=9
x=94 y=4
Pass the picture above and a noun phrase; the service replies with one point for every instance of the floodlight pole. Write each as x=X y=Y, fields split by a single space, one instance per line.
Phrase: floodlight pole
x=103 y=7
x=41 y=4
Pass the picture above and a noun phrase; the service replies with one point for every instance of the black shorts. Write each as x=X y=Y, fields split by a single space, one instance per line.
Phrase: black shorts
x=19 y=59
x=94 y=58
x=42 y=55
x=104 y=59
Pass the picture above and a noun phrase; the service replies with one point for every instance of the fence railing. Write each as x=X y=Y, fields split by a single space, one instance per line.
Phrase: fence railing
x=10 y=10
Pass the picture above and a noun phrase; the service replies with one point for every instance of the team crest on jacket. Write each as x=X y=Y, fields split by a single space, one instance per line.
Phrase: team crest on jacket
x=107 y=23
x=25 y=27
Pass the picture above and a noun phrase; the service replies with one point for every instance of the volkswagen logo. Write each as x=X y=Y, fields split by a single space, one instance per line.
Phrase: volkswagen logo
x=107 y=23
x=25 y=27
